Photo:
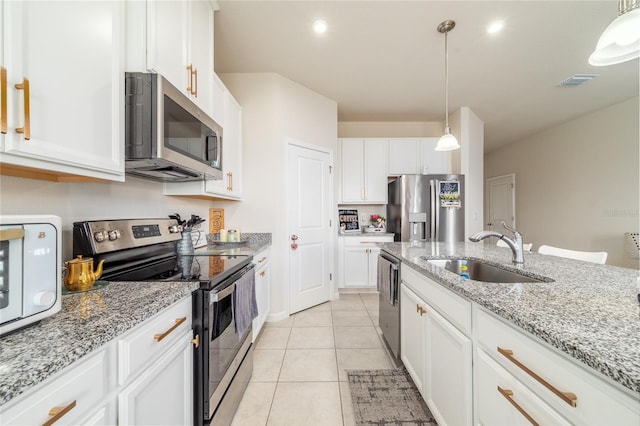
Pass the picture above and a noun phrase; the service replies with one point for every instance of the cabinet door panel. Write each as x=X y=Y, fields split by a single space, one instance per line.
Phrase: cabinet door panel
x=448 y=378
x=163 y=393
x=412 y=348
x=403 y=157
x=71 y=53
x=352 y=170
x=375 y=171
x=356 y=267
x=201 y=52
x=433 y=162
x=167 y=31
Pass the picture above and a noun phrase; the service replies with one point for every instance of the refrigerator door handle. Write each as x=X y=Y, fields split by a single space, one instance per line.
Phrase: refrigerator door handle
x=433 y=214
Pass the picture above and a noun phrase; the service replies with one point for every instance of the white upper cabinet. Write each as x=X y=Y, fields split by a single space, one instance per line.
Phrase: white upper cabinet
x=364 y=171
x=409 y=156
x=404 y=158
x=176 y=42
x=433 y=162
x=64 y=90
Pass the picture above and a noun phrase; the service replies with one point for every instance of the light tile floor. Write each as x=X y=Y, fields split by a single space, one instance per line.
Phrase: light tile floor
x=299 y=365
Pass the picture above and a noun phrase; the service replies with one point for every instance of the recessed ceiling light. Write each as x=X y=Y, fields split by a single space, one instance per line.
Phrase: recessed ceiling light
x=495 y=27
x=320 y=26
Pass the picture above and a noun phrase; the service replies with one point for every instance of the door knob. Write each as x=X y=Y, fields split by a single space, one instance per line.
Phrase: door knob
x=294 y=244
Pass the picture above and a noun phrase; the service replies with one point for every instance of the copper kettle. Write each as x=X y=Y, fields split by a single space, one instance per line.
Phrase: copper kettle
x=80 y=274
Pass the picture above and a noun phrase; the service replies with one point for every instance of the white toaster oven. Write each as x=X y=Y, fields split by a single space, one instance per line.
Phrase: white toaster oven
x=30 y=262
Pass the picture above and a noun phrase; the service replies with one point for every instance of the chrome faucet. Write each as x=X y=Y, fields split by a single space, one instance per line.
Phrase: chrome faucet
x=514 y=244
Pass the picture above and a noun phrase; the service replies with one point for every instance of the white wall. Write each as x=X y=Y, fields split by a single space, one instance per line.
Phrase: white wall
x=274 y=111
x=577 y=183
x=134 y=198
x=471 y=155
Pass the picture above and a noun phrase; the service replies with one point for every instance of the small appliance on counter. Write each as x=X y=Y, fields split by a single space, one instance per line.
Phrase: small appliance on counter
x=30 y=259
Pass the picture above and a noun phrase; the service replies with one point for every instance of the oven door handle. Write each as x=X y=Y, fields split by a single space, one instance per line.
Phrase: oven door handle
x=224 y=293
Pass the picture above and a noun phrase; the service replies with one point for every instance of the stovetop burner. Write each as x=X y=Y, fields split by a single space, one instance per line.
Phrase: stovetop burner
x=145 y=250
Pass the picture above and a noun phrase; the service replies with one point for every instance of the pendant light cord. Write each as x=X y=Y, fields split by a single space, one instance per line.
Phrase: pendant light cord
x=446 y=83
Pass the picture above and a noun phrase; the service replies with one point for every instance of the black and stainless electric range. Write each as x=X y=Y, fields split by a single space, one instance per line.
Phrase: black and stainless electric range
x=145 y=250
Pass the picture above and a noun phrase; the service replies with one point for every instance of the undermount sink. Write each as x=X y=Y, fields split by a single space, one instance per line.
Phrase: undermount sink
x=479 y=270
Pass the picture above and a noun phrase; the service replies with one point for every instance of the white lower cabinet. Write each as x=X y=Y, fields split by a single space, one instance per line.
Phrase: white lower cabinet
x=71 y=397
x=155 y=369
x=358 y=261
x=143 y=377
x=502 y=400
x=566 y=388
x=163 y=393
x=436 y=353
x=263 y=284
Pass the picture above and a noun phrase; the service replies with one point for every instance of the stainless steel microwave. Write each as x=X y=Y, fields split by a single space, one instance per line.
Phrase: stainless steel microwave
x=30 y=266
x=167 y=137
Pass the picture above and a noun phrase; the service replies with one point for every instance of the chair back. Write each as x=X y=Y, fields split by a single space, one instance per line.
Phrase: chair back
x=588 y=256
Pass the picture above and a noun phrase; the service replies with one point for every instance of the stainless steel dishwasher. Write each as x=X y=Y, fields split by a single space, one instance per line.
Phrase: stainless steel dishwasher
x=389 y=307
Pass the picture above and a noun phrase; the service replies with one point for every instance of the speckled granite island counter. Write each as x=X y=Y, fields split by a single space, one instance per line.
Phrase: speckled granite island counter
x=589 y=311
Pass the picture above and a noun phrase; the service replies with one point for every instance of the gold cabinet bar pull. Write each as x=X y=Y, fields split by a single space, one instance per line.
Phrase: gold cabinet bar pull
x=190 y=71
x=11 y=234
x=262 y=274
x=24 y=86
x=159 y=337
x=568 y=397
x=508 y=395
x=196 y=341
x=3 y=100
x=58 y=412
x=262 y=259
x=195 y=74
x=229 y=181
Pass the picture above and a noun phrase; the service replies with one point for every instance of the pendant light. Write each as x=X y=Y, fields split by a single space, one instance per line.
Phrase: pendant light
x=620 y=41
x=447 y=142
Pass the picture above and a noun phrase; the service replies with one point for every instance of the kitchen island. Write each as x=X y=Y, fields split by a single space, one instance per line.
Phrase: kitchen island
x=564 y=350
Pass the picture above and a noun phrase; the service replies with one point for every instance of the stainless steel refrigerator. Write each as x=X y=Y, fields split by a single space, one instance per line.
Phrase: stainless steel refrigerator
x=426 y=208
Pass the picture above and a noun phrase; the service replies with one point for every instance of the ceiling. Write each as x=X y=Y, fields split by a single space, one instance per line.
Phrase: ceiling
x=384 y=60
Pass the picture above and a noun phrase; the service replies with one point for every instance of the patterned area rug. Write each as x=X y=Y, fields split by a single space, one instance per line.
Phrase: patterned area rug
x=387 y=397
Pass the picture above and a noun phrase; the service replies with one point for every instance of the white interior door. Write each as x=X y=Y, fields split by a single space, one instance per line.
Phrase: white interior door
x=502 y=202
x=309 y=200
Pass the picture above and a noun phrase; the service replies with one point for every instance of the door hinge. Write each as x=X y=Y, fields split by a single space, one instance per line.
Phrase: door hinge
x=330 y=223
x=330 y=276
x=330 y=169
x=512 y=186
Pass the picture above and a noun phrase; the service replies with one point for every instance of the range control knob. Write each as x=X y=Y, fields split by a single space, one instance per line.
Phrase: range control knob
x=44 y=298
x=174 y=229
x=114 y=235
x=100 y=236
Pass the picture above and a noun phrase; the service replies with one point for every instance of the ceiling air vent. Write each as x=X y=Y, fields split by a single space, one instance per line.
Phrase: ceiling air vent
x=578 y=79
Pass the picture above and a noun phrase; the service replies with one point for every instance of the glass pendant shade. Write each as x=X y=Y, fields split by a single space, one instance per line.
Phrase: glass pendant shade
x=447 y=142
x=620 y=41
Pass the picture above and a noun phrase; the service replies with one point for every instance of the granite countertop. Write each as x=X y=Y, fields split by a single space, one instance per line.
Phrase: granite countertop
x=255 y=242
x=89 y=320
x=589 y=311
x=366 y=234
x=86 y=322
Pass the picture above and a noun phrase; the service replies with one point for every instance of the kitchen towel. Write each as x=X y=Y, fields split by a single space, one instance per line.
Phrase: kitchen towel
x=245 y=305
x=384 y=279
